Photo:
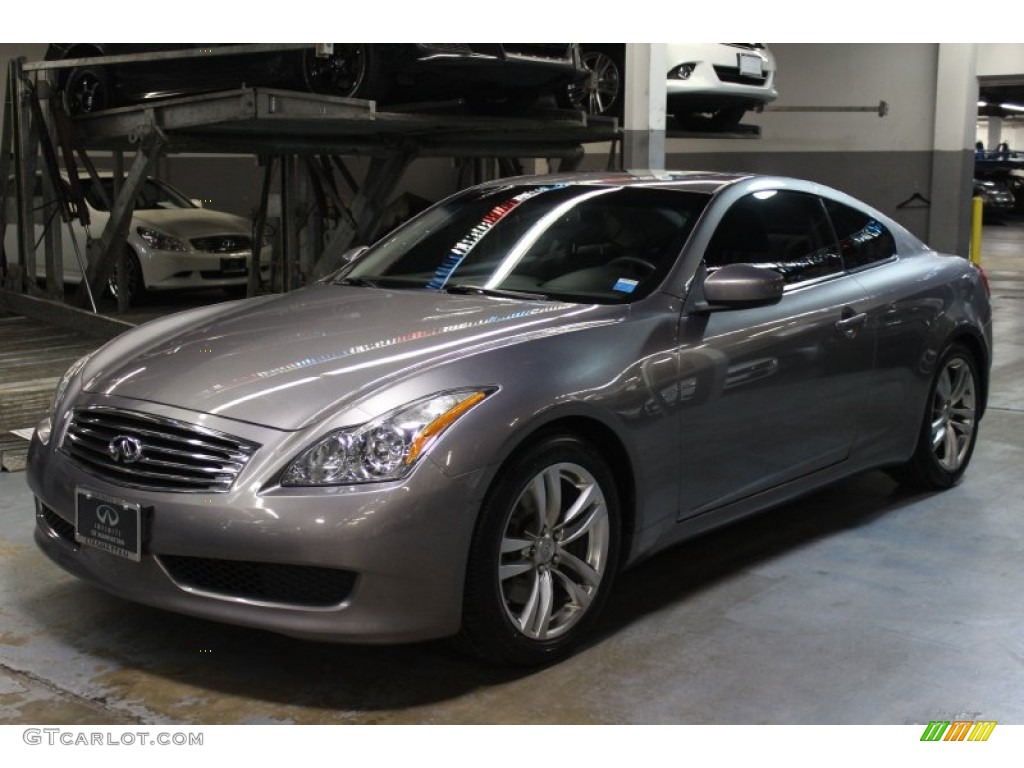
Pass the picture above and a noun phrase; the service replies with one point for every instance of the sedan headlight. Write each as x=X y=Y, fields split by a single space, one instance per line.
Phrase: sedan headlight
x=386 y=448
x=160 y=241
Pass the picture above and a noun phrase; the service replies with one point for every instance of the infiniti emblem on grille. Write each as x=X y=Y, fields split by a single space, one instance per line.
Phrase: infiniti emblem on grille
x=125 y=449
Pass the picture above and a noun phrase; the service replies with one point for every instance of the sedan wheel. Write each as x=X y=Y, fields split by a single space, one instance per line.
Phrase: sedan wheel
x=950 y=426
x=353 y=70
x=601 y=94
x=134 y=287
x=86 y=90
x=544 y=554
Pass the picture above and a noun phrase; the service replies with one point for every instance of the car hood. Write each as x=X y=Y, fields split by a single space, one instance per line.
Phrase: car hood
x=192 y=222
x=284 y=361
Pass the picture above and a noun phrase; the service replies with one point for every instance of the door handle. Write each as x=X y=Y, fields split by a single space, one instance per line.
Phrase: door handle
x=851 y=323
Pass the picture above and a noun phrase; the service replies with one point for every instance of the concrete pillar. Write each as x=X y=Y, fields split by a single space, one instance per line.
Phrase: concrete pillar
x=995 y=133
x=643 y=142
x=956 y=115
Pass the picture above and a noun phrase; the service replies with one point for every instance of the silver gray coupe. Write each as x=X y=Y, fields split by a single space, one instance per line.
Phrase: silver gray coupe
x=477 y=422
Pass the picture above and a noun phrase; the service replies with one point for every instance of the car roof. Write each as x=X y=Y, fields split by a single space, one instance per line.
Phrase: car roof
x=707 y=182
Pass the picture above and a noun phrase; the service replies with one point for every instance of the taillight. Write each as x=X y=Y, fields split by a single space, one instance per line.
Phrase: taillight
x=984 y=279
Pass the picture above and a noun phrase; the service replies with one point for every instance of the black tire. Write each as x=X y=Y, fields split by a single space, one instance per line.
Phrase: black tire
x=723 y=119
x=949 y=425
x=602 y=95
x=236 y=291
x=135 y=284
x=353 y=70
x=534 y=604
x=87 y=90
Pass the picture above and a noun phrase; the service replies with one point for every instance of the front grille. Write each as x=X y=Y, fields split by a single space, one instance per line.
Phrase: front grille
x=304 y=585
x=732 y=75
x=172 y=455
x=58 y=524
x=223 y=244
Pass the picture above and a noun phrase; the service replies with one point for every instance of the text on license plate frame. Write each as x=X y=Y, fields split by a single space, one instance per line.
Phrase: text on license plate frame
x=112 y=525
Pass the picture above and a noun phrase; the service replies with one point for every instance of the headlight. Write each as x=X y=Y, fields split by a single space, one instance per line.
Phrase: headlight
x=386 y=448
x=159 y=241
x=44 y=426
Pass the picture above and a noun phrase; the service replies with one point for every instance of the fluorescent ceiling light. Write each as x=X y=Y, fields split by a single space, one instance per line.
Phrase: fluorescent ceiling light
x=1014 y=107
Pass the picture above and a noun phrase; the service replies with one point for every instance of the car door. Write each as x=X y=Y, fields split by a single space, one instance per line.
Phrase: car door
x=772 y=393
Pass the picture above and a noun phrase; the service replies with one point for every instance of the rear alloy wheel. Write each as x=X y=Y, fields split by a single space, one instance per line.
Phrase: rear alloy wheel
x=601 y=93
x=86 y=90
x=544 y=554
x=353 y=70
x=950 y=427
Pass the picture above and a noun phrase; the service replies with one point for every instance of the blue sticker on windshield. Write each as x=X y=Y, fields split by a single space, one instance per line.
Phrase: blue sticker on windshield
x=625 y=285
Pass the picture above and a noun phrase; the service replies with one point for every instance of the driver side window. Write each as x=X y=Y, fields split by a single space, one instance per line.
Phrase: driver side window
x=788 y=232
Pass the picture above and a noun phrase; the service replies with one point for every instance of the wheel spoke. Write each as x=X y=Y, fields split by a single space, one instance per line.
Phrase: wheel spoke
x=536 y=617
x=582 y=526
x=553 y=492
x=510 y=544
x=938 y=430
x=960 y=383
x=964 y=428
x=588 y=574
x=524 y=617
x=579 y=597
x=511 y=570
x=538 y=492
x=950 y=447
x=582 y=502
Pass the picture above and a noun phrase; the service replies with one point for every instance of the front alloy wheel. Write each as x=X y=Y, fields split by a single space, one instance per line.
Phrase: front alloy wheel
x=544 y=554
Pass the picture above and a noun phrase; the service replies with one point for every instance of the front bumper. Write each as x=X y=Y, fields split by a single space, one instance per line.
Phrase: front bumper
x=382 y=562
x=170 y=270
x=717 y=82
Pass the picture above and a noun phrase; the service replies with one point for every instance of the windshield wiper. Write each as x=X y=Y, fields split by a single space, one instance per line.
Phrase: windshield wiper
x=463 y=288
x=361 y=282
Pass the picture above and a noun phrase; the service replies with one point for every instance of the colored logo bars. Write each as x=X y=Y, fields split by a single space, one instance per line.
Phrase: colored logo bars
x=958 y=730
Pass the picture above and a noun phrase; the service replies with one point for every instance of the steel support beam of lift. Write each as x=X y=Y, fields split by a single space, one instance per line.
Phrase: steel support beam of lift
x=302 y=141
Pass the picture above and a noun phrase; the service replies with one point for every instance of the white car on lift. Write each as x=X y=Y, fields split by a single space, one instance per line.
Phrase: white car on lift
x=710 y=86
x=173 y=242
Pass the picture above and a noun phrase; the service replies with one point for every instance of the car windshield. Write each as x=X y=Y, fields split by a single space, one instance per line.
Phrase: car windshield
x=605 y=244
x=152 y=195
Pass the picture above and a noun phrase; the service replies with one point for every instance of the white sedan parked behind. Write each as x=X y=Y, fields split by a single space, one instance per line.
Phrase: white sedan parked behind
x=710 y=86
x=173 y=242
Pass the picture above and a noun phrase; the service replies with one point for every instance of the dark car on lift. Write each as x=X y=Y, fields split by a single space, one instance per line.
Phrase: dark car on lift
x=490 y=74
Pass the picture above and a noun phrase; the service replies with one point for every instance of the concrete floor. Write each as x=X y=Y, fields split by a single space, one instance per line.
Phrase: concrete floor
x=862 y=605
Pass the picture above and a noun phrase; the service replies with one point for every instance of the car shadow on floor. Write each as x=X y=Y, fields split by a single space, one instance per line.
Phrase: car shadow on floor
x=157 y=660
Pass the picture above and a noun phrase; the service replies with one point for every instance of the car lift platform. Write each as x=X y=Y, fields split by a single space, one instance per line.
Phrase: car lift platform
x=257 y=120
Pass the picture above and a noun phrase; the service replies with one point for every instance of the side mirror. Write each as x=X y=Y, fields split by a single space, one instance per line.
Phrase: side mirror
x=196 y=202
x=742 y=285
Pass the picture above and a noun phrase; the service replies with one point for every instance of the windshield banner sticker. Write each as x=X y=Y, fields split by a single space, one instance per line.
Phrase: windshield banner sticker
x=462 y=248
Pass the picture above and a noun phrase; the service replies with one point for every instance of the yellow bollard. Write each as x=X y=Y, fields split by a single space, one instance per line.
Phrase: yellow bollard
x=976 y=230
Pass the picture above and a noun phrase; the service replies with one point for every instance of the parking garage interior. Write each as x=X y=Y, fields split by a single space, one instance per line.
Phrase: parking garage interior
x=860 y=604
